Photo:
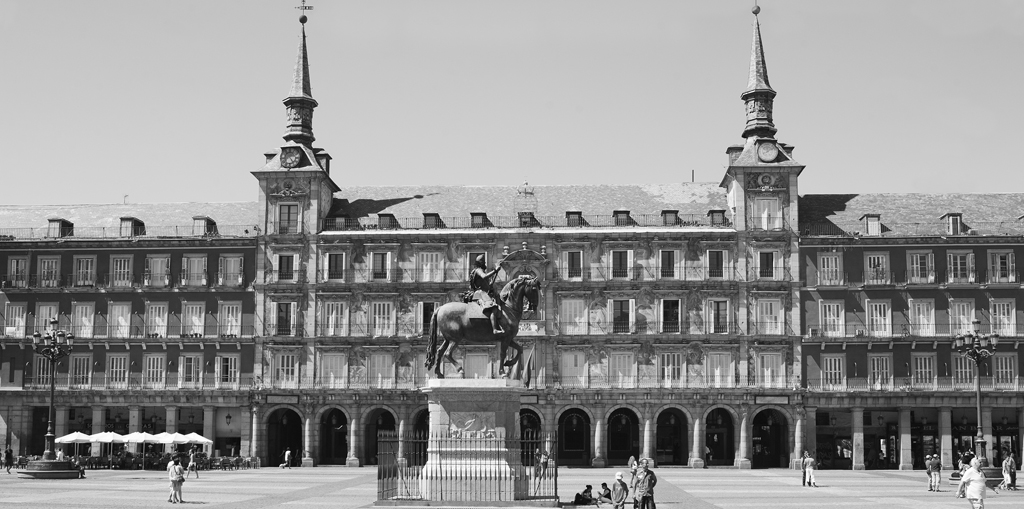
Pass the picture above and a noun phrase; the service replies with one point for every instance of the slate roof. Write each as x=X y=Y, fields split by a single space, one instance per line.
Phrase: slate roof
x=551 y=201
x=154 y=215
x=911 y=213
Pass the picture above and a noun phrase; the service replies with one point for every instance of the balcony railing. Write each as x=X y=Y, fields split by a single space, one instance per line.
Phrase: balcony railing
x=193 y=278
x=465 y=222
x=777 y=327
x=769 y=273
x=170 y=380
x=768 y=223
x=283 y=276
x=908 y=384
x=909 y=330
x=643 y=327
x=706 y=381
x=144 y=332
x=115 y=232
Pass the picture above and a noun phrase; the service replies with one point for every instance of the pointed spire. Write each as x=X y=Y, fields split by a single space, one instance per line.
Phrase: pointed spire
x=759 y=94
x=300 y=103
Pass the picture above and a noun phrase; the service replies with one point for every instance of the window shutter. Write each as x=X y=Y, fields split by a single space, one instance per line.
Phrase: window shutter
x=564 y=271
x=295 y=326
x=632 y=314
x=149 y=272
x=931 y=267
x=631 y=273
x=322 y=323
x=726 y=274
x=394 y=320
x=184 y=270
x=677 y=257
x=387 y=265
x=220 y=270
x=970 y=267
x=1012 y=268
x=609 y=317
x=707 y=264
x=709 y=318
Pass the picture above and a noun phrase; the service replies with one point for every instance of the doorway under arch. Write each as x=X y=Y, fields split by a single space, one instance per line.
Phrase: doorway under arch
x=574 y=438
x=671 y=439
x=376 y=421
x=623 y=437
x=333 y=438
x=529 y=425
x=421 y=424
x=719 y=438
x=771 y=440
x=284 y=431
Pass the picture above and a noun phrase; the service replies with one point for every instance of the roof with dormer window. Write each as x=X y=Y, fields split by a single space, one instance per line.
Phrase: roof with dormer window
x=911 y=214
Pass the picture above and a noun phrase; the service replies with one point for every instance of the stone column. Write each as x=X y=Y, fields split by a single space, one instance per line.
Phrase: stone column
x=986 y=429
x=60 y=422
x=134 y=418
x=210 y=428
x=906 y=456
x=307 y=438
x=798 y=439
x=858 y=438
x=810 y=432
x=946 y=437
x=171 y=416
x=99 y=421
x=355 y=446
x=697 y=449
x=597 y=428
x=254 y=425
x=648 y=444
x=401 y=436
x=743 y=458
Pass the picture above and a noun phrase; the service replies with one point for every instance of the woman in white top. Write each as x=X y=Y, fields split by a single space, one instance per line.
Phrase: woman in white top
x=972 y=485
x=176 y=475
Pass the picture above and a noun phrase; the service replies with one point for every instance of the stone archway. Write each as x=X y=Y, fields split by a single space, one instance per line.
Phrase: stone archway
x=284 y=432
x=530 y=427
x=623 y=436
x=377 y=420
x=720 y=433
x=672 y=443
x=770 y=435
x=333 y=437
x=574 y=438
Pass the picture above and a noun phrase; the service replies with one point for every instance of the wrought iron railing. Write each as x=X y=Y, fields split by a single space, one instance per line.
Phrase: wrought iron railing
x=887 y=330
x=464 y=466
x=913 y=383
x=168 y=380
x=115 y=232
x=462 y=222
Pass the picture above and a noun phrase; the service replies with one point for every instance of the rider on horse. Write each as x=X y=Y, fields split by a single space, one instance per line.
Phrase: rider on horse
x=481 y=283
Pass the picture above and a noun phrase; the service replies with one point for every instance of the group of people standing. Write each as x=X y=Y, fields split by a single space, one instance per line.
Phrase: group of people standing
x=641 y=483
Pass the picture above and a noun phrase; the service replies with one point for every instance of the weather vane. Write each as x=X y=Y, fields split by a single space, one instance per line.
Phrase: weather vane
x=304 y=7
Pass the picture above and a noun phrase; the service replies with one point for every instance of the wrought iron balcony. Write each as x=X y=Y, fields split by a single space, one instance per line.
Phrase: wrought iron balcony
x=912 y=384
x=131 y=381
x=115 y=232
x=887 y=330
x=467 y=222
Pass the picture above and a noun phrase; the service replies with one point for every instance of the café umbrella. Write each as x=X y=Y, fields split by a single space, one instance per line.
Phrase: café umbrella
x=74 y=438
x=106 y=437
x=196 y=438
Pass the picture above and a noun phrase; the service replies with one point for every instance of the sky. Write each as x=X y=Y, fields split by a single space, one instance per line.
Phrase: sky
x=111 y=101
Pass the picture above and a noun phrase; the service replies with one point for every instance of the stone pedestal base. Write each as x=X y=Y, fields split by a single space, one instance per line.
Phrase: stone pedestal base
x=742 y=463
x=50 y=469
x=307 y=462
x=352 y=462
x=696 y=463
x=598 y=463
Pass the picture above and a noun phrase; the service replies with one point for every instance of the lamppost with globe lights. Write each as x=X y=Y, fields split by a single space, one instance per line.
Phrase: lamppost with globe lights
x=977 y=347
x=53 y=344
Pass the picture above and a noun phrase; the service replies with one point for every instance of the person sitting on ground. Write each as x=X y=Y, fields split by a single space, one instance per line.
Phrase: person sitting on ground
x=586 y=497
x=605 y=494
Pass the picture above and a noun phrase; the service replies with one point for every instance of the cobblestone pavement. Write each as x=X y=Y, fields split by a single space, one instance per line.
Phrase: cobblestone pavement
x=341 y=487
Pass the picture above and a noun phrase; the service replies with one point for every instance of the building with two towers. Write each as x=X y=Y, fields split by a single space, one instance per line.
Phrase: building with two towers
x=690 y=323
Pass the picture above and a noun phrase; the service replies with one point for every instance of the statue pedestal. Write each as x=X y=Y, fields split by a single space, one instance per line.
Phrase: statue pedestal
x=473 y=454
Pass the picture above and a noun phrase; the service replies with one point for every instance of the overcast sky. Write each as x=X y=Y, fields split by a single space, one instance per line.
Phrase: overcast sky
x=177 y=101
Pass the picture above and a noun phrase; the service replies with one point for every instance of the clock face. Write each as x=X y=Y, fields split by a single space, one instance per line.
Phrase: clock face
x=767 y=152
x=290 y=157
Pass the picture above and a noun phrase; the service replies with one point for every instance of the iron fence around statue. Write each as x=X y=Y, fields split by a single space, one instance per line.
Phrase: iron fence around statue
x=466 y=469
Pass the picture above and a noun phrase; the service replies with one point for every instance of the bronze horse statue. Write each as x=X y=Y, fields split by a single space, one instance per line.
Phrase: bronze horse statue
x=464 y=323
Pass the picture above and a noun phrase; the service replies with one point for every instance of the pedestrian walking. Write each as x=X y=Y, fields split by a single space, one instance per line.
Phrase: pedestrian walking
x=176 y=476
x=928 y=471
x=707 y=456
x=619 y=492
x=972 y=485
x=288 y=458
x=936 y=476
x=1013 y=470
x=643 y=493
x=193 y=466
x=1006 y=483
x=8 y=458
x=809 y=463
x=803 y=468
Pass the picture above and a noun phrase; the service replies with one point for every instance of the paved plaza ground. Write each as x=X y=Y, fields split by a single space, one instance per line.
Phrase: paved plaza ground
x=356 y=487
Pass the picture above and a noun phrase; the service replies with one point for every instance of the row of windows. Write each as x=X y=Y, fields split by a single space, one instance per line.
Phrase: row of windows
x=961 y=268
x=120 y=321
x=155 y=273
x=923 y=319
x=575 y=317
x=155 y=370
x=923 y=368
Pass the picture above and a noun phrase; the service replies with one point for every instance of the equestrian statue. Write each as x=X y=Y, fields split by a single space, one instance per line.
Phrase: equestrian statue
x=483 y=318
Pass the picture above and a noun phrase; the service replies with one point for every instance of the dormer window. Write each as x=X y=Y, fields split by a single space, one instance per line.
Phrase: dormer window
x=622 y=218
x=132 y=227
x=954 y=223
x=479 y=219
x=387 y=221
x=717 y=217
x=324 y=160
x=527 y=220
x=574 y=218
x=872 y=224
x=58 y=227
x=669 y=217
x=432 y=220
x=203 y=226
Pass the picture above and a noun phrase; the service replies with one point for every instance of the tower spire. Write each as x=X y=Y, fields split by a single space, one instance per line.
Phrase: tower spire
x=300 y=103
x=759 y=95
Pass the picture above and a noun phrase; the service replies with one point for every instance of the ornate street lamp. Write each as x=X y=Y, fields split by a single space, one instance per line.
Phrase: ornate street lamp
x=53 y=344
x=977 y=347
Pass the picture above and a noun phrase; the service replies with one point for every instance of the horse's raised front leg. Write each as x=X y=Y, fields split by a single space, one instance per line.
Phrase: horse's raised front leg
x=448 y=354
x=438 y=371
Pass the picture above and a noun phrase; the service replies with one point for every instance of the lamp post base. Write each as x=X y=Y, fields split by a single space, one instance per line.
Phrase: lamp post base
x=50 y=469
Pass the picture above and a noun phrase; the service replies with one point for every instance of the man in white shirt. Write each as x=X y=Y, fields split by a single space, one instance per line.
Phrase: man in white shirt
x=972 y=485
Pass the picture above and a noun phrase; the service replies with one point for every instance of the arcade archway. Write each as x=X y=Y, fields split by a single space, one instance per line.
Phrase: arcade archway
x=672 y=437
x=718 y=439
x=529 y=425
x=284 y=431
x=377 y=420
x=771 y=440
x=574 y=438
x=623 y=436
x=333 y=438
